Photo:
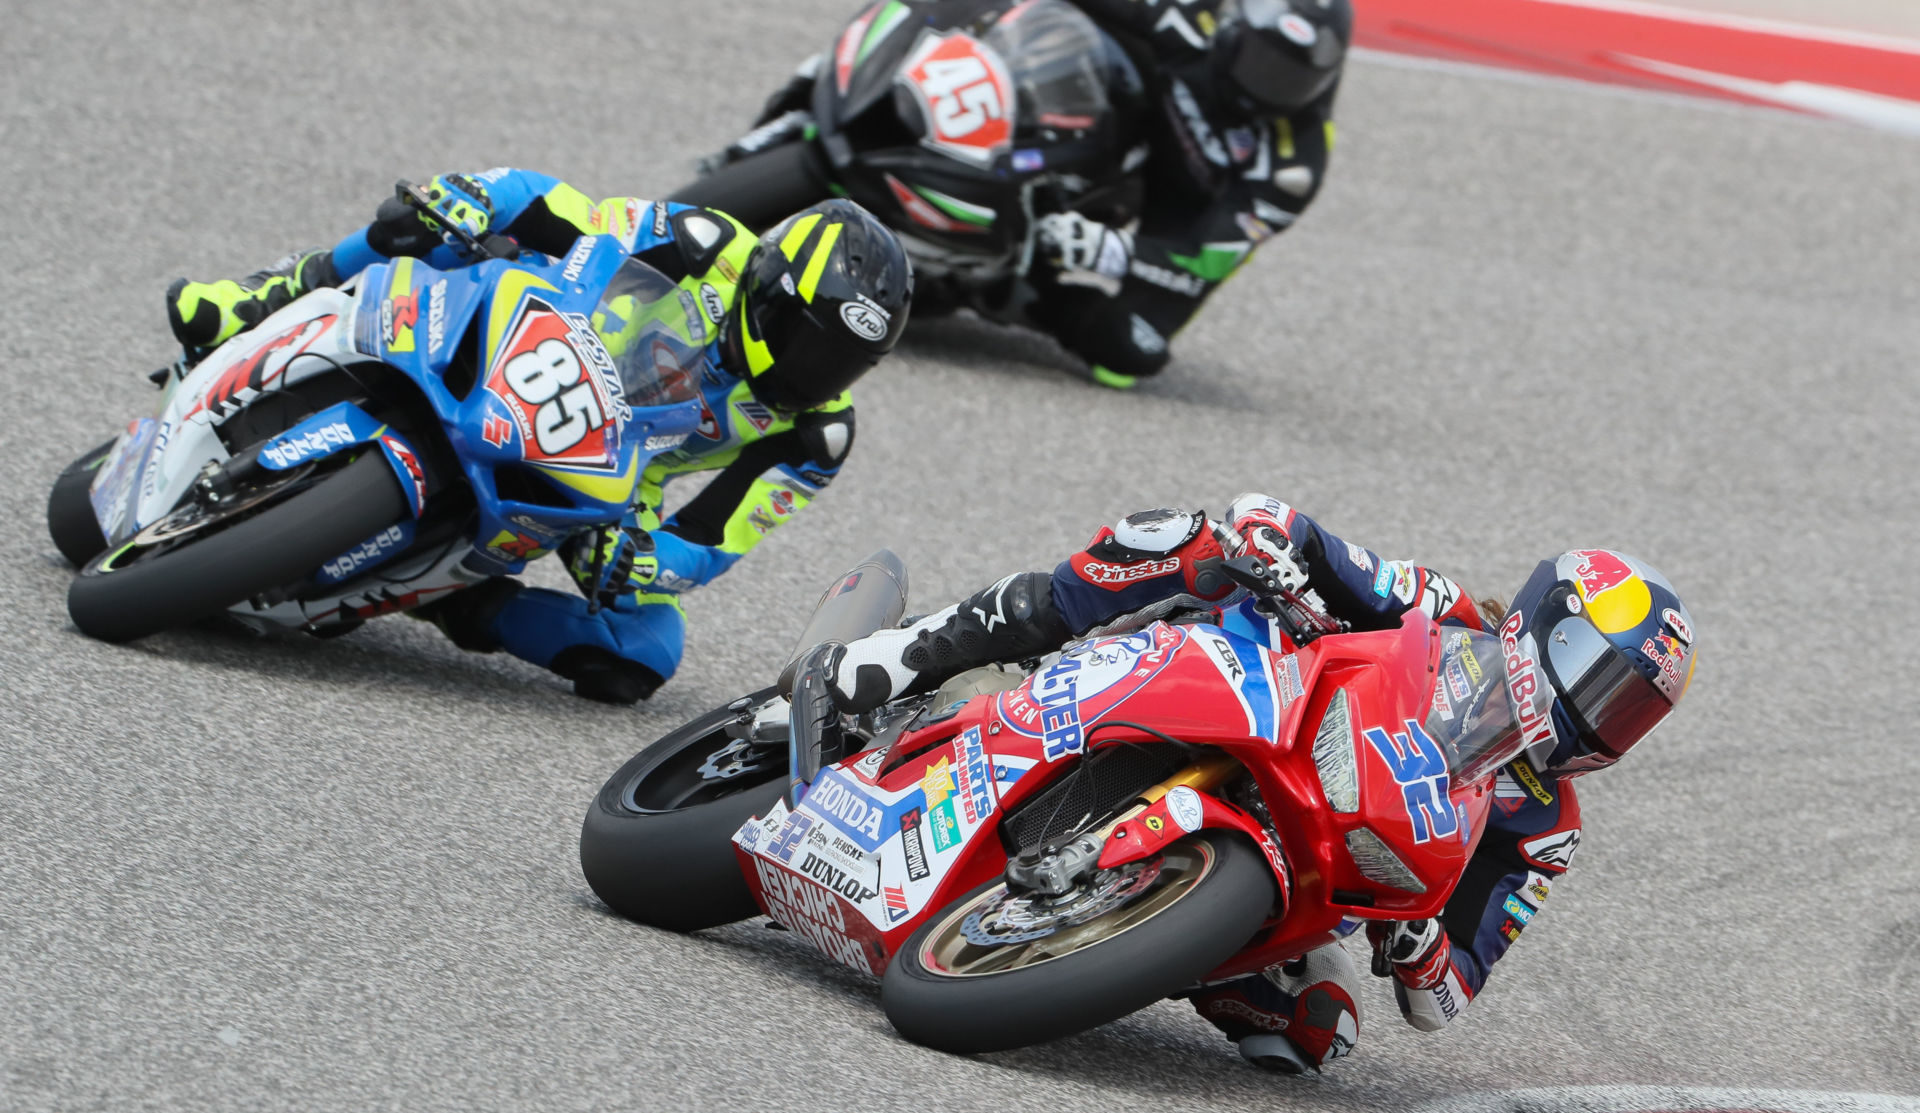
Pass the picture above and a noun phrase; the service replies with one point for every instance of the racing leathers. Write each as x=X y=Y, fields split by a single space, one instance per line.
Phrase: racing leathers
x=1217 y=184
x=1163 y=564
x=626 y=633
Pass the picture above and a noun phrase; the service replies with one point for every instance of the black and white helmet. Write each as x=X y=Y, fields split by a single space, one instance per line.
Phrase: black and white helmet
x=1274 y=57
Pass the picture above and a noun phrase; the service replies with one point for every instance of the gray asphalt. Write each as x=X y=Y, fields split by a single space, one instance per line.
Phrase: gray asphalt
x=1523 y=318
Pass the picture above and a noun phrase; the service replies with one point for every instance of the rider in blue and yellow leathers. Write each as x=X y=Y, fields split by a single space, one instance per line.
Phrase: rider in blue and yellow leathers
x=797 y=316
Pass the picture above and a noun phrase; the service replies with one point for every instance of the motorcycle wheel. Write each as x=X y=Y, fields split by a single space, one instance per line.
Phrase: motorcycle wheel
x=657 y=844
x=761 y=189
x=955 y=987
x=204 y=567
x=70 y=518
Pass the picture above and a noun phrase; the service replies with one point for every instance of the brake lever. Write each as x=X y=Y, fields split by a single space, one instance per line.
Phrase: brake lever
x=1301 y=622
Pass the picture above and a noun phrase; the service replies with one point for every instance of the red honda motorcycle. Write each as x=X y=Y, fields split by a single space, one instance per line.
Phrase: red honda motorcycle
x=1028 y=853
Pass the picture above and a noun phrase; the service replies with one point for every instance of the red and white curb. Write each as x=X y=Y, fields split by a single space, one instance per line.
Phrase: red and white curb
x=1872 y=80
x=1669 y=1099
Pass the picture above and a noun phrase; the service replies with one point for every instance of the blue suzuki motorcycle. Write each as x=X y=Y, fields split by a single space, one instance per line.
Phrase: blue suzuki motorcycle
x=375 y=447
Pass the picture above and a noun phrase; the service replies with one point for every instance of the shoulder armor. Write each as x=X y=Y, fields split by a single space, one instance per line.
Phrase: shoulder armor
x=1149 y=535
x=826 y=438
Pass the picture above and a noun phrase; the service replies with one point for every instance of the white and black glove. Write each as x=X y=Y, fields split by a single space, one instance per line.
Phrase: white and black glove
x=1412 y=952
x=1257 y=524
x=1085 y=252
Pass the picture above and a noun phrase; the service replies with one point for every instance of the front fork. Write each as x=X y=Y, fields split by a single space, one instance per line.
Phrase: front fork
x=1163 y=814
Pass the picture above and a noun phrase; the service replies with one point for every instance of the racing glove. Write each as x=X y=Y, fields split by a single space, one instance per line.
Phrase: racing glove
x=1085 y=252
x=1414 y=953
x=1257 y=524
x=398 y=229
x=612 y=562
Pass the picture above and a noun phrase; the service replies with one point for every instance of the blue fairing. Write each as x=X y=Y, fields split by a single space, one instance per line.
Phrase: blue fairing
x=550 y=431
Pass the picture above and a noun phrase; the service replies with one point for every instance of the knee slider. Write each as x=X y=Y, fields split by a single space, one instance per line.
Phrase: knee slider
x=606 y=677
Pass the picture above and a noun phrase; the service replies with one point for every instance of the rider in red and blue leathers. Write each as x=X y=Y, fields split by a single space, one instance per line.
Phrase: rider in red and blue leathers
x=777 y=418
x=1156 y=564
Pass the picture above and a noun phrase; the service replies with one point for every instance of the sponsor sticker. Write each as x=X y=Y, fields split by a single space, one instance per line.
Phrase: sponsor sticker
x=812 y=913
x=1119 y=575
x=713 y=303
x=863 y=321
x=577 y=261
x=1183 y=804
x=285 y=452
x=1419 y=767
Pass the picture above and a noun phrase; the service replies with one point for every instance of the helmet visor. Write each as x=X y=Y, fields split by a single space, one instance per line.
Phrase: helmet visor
x=1610 y=699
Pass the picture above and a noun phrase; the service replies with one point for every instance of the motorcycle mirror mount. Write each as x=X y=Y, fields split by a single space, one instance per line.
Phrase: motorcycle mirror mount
x=811 y=719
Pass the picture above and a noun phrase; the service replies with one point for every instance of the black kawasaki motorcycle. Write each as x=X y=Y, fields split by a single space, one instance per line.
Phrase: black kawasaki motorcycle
x=957 y=123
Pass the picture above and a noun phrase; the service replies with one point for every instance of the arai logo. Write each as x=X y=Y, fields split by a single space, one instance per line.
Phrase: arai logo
x=866 y=323
x=715 y=305
x=1299 y=30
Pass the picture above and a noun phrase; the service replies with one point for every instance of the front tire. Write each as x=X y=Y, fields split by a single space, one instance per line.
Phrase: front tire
x=657 y=844
x=70 y=518
x=947 y=991
x=116 y=601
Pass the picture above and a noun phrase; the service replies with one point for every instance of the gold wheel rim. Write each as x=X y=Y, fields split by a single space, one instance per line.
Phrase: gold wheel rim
x=950 y=952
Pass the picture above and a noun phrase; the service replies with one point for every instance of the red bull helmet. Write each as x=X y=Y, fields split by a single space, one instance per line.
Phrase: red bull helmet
x=1599 y=649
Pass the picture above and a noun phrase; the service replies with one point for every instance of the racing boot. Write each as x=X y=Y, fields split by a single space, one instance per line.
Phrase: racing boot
x=1013 y=619
x=1291 y=1018
x=205 y=315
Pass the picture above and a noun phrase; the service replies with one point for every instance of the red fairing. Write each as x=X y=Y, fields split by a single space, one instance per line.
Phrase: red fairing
x=885 y=840
x=1113 y=575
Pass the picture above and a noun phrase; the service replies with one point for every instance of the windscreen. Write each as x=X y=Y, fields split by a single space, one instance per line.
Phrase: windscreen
x=1472 y=717
x=1054 y=52
x=656 y=334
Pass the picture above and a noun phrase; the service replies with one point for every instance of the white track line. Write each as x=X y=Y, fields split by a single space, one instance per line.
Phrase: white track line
x=1779 y=27
x=1679 y=1099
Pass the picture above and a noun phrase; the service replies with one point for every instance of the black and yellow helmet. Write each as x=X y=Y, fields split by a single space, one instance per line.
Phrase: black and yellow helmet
x=824 y=295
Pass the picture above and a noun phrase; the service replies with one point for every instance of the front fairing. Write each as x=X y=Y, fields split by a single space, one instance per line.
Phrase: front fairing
x=883 y=122
x=542 y=462
x=883 y=840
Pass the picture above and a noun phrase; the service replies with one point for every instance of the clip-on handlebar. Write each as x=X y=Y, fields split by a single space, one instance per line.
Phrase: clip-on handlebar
x=1301 y=622
x=481 y=247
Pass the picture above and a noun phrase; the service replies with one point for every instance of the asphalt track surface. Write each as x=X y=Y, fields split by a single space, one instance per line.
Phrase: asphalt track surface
x=1524 y=317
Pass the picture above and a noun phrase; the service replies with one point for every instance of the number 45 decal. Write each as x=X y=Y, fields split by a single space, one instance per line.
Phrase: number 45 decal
x=966 y=95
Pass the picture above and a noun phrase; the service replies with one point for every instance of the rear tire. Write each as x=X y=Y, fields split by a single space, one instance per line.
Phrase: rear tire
x=1089 y=986
x=673 y=865
x=276 y=547
x=761 y=189
x=70 y=518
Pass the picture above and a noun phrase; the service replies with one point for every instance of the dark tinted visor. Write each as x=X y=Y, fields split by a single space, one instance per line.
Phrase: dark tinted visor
x=1609 y=697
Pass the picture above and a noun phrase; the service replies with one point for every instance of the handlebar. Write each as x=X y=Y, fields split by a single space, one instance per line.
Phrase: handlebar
x=485 y=247
x=1300 y=620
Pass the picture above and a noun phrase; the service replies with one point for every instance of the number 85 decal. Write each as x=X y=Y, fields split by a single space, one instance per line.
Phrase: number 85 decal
x=550 y=377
